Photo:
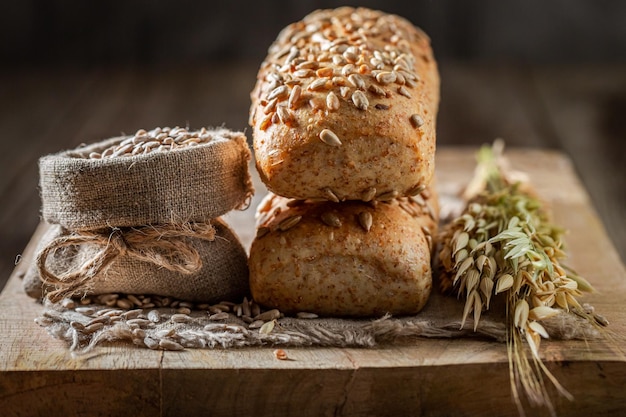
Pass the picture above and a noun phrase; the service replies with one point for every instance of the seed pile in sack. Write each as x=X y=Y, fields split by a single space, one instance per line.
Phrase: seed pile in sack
x=141 y=215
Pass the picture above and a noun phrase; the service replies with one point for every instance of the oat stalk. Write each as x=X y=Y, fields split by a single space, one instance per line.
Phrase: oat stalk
x=505 y=245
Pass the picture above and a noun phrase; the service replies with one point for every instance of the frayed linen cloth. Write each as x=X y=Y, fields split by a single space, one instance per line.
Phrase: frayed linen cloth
x=169 y=330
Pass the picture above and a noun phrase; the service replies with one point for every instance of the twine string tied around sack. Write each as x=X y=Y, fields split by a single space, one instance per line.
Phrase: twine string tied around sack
x=166 y=246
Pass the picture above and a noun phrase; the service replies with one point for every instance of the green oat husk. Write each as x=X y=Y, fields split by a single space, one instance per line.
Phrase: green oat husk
x=504 y=245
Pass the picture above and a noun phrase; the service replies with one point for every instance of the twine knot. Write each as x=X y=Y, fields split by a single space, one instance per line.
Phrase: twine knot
x=166 y=246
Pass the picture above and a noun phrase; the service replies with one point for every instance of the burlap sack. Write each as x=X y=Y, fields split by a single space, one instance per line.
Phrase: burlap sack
x=194 y=184
x=222 y=276
x=145 y=223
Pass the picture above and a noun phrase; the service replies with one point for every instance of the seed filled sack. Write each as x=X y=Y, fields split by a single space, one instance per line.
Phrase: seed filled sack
x=140 y=215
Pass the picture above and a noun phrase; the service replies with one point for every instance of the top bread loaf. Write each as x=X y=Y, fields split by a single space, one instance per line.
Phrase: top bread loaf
x=345 y=107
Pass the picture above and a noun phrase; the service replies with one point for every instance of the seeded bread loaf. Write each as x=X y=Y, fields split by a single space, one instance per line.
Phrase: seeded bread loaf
x=344 y=108
x=343 y=259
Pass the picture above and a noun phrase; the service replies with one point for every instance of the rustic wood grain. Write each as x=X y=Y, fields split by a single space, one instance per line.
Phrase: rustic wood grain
x=422 y=377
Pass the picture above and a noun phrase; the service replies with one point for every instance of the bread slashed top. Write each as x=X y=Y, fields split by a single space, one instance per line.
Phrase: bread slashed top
x=343 y=64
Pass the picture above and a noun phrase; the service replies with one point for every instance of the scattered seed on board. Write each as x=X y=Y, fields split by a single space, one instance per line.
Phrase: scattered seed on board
x=86 y=311
x=268 y=315
x=102 y=319
x=256 y=324
x=154 y=316
x=168 y=344
x=219 y=316
x=92 y=328
x=306 y=315
x=131 y=314
x=280 y=354
x=151 y=343
x=139 y=333
x=245 y=306
x=180 y=318
x=77 y=325
x=138 y=322
x=165 y=333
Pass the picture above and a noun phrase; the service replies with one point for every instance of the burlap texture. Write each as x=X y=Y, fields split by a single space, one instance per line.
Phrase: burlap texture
x=440 y=319
x=194 y=184
x=223 y=275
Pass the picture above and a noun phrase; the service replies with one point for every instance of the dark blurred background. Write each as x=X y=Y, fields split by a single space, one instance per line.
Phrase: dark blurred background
x=548 y=74
x=149 y=32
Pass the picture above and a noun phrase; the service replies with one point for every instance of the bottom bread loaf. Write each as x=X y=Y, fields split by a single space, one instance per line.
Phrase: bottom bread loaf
x=352 y=258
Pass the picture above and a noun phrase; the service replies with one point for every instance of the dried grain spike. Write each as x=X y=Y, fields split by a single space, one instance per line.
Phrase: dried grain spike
x=329 y=137
x=267 y=327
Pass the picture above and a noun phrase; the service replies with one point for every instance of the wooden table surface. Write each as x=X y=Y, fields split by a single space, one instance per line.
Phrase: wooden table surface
x=426 y=377
x=577 y=110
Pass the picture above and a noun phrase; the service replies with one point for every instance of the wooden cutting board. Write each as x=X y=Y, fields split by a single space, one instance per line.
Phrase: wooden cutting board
x=427 y=377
